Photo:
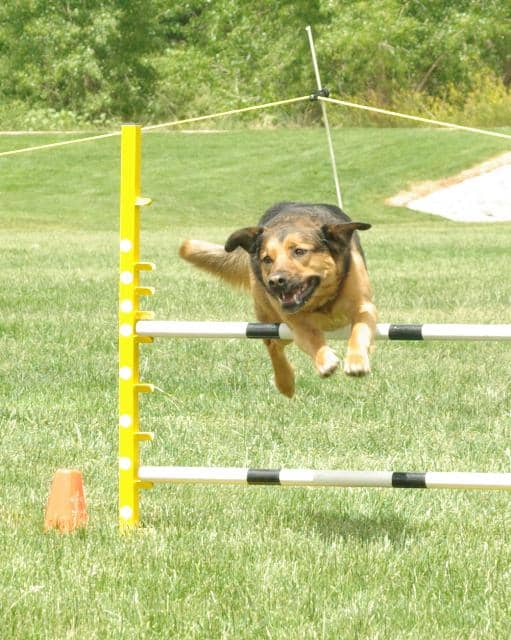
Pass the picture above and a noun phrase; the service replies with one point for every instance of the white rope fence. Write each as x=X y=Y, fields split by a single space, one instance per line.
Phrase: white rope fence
x=232 y=112
x=63 y=143
x=397 y=114
x=153 y=127
x=344 y=103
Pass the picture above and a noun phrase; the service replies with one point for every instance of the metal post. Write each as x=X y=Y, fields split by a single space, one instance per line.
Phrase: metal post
x=325 y=118
x=129 y=313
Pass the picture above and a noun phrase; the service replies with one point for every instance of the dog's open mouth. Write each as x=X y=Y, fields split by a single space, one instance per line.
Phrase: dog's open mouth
x=295 y=296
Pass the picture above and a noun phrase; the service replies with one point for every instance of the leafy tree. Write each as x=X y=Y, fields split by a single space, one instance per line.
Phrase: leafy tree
x=225 y=53
x=153 y=59
x=91 y=56
x=392 y=46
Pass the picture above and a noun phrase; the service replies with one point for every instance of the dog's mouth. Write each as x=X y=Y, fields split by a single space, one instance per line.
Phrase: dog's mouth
x=294 y=296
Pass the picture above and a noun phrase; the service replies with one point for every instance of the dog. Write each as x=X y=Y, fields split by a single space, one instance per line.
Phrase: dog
x=304 y=265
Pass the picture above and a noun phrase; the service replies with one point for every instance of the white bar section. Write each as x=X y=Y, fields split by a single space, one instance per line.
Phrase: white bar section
x=382 y=331
x=185 y=329
x=305 y=477
x=205 y=329
x=188 y=475
x=466 y=480
x=466 y=331
x=285 y=332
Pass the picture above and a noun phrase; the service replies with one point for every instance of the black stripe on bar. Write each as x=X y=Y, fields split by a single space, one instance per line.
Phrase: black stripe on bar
x=405 y=332
x=262 y=330
x=263 y=476
x=407 y=480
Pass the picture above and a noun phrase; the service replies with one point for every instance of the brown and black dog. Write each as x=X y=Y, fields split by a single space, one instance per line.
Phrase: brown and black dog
x=304 y=266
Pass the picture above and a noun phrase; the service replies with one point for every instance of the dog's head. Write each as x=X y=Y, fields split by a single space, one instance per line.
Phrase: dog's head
x=300 y=266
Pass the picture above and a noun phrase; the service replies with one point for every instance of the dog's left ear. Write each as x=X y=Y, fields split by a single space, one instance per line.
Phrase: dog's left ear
x=338 y=236
x=245 y=238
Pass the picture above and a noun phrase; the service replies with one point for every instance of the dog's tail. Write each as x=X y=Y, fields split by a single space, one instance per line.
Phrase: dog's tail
x=233 y=267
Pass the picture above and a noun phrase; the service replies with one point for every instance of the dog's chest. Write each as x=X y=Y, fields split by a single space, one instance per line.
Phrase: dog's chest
x=329 y=321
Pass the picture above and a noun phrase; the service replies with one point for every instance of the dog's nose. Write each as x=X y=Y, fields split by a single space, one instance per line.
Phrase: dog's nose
x=278 y=280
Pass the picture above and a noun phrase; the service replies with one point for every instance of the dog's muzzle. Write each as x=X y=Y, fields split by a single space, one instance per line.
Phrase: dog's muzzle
x=292 y=294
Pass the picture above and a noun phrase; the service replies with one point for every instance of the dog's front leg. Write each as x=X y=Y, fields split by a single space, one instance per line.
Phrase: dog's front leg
x=312 y=341
x=284 y=375
x=283 y=371
x=362 y=335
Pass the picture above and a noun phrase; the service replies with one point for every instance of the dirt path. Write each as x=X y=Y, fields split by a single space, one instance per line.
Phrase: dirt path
x=479 y=194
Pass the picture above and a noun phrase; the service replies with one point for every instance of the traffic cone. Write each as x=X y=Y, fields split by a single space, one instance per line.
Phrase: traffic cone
x=66 y=509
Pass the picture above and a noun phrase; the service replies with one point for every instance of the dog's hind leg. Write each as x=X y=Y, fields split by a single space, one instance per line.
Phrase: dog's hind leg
x=283 y=371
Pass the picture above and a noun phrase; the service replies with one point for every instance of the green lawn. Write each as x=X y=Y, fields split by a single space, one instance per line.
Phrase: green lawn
x=220 y=562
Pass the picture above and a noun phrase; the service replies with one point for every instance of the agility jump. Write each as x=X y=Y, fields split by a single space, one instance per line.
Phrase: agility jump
x=280 y=331
x=137 y=326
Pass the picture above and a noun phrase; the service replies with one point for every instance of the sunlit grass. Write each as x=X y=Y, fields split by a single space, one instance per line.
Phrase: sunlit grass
x=220 y=562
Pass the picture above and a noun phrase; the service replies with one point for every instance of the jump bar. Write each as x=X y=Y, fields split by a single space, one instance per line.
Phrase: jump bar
x=178 y=329
x=308 y=478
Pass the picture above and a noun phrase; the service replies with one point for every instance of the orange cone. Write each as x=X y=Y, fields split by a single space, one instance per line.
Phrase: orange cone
x=66 y=508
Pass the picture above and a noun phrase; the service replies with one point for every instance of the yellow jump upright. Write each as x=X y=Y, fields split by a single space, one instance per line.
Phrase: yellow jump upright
x=130 y=292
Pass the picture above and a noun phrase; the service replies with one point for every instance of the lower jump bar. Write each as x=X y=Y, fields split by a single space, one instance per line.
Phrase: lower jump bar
x=178 y=329
x=308 y=478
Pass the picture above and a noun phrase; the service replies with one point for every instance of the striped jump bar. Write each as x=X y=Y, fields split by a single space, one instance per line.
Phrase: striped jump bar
x=308 y=478
x=178 y=329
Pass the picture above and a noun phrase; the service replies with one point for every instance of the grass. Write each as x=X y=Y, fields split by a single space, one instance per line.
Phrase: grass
x=220 y=562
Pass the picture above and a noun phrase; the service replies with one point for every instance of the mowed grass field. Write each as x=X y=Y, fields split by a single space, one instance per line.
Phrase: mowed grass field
x=229 y=562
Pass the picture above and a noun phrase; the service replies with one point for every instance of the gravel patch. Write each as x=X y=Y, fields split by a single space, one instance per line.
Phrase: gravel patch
x=480 y=194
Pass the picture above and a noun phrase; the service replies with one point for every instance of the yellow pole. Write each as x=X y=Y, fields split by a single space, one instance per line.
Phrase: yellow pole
x=129 y=312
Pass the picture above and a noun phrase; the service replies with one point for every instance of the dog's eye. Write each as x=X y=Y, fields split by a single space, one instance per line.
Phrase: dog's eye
x=267 y=260
x=298 y=251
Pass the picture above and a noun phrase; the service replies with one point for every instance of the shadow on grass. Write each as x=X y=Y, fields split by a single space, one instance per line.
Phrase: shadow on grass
x=343 y=525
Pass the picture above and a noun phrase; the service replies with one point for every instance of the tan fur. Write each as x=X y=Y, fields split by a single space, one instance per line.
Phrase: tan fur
x=330 y=306
x=233 y=267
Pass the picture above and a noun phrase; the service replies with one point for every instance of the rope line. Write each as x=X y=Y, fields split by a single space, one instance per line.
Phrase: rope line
x=153 y=127
x=52 y=145
x=277 y=103
x=396 y=114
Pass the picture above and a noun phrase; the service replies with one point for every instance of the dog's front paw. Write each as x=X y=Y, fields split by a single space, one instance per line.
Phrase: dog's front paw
x=357 y=364
x=326 y=362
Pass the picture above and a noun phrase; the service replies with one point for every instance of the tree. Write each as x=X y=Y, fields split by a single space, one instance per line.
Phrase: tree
x=91 y=57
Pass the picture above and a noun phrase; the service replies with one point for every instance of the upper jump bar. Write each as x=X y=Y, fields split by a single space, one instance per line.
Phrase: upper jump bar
x=323 y=478
x=280 y=331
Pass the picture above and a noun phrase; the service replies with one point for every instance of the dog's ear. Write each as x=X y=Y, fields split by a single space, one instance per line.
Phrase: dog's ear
x=245 y=238
x=338 y=236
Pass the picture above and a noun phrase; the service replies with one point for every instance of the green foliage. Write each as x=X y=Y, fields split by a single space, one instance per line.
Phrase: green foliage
x=233 y=54
x=151 y=60
x=389 y=46
x=87 y=57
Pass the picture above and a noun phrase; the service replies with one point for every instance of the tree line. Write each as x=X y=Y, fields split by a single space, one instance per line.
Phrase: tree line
x=97 y=61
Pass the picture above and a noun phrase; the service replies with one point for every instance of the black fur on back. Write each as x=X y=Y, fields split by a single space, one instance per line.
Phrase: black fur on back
x=323 y=213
